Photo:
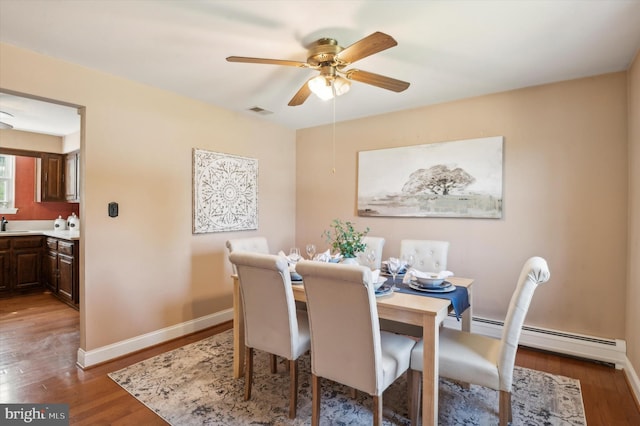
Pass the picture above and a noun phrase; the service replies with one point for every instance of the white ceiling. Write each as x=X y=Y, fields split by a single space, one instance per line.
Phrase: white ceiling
x=447 y=50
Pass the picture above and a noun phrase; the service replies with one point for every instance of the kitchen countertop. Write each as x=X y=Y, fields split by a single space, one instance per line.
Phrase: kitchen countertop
x=67 y=235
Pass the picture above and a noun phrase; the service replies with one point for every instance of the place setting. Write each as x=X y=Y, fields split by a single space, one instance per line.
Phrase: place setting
x=434 y=282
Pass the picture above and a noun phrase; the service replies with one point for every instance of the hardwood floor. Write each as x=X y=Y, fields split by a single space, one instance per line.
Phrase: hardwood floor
x=39 y=338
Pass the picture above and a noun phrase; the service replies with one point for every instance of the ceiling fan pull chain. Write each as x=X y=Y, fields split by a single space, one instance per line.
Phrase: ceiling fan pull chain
x=333 y=89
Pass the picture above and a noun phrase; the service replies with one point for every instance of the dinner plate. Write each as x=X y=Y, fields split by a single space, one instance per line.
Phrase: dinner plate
x=384 y=290
x=442 y=286
x=433 y=290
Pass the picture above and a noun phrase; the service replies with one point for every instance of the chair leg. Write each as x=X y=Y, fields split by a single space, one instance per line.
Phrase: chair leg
x=248 y=372
x=415 y=390
x=505 y=408
x=377 y=410
x=273 y=363
x=293 y=387
x=315 y=405
x=354 y=393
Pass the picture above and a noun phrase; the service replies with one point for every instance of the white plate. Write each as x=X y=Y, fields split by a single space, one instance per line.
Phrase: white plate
x=384 y=290
x=433 y=290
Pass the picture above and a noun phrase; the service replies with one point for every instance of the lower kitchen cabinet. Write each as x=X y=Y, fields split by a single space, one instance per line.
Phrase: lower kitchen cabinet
x=21 y=264
x=61 y=269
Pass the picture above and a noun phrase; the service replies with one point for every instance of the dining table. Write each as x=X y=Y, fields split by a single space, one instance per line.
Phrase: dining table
x=416 y=309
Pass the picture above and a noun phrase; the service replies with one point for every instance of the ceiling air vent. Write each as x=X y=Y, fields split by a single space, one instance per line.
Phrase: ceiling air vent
x=260 y=111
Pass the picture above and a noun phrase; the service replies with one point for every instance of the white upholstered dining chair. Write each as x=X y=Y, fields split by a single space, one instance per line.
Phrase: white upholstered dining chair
x=429 y=255
x=481 y=360
x=375 y=244
x=271 y=321
x=252 y=244
x=347 y=345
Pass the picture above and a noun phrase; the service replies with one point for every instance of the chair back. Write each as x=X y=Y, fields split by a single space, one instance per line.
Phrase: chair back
x=534 y=272
x=429 y=255
x=376 y=244
x=252 y=244
x=343 y=322
x=270 y=320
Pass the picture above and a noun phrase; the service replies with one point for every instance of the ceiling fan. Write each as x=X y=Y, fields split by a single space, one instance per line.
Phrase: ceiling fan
x=330 y=59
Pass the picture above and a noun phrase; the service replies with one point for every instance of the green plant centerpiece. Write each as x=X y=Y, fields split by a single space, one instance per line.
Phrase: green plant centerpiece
x=344 y=238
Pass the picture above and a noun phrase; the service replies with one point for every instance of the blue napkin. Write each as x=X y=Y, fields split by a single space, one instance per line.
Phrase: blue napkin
x=459 y=297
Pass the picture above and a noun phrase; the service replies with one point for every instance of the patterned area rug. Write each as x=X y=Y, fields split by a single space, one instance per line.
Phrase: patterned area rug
x=193 y=385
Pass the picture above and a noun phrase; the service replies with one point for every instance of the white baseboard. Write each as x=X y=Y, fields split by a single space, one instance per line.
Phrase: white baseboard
x=106 y=353
x=634 y=381
x=611 y=351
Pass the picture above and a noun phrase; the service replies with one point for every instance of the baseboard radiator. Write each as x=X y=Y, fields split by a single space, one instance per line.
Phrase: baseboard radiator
x=609 y=351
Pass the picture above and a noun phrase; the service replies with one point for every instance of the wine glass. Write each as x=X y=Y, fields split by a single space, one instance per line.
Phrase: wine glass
x=294 y=254
x=408 y=260
x=371 y=258
x=394 y=267
x=311 y=250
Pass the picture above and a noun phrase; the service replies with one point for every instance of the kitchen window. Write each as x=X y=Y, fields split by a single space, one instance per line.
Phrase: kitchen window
x=7 y=184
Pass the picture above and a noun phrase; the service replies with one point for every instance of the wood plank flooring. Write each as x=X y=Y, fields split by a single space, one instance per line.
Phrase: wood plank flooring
x=39 y=339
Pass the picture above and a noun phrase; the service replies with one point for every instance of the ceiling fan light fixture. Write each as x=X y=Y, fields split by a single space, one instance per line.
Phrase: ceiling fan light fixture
x=321 y=87
x=341 y=85
x=325 y=87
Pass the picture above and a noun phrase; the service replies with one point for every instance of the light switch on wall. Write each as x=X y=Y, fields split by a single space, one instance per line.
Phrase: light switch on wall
x=113 y=209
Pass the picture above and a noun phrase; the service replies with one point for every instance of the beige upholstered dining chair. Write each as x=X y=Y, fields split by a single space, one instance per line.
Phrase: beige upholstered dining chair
x=271 y=321
x=252 y=244
x=347 y=345
x=376 y=244
x=481 y=360
x=429 y=255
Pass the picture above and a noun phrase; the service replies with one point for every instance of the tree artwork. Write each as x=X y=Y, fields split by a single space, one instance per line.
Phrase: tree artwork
x=438 y=179
x=441 y=179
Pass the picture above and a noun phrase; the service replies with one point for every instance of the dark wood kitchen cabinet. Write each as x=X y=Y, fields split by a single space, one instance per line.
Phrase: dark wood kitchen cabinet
x=61 y=269
x=21 y=263
x=52 y=187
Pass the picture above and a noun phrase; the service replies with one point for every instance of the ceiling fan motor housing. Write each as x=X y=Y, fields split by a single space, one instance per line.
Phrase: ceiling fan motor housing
x=323 y=52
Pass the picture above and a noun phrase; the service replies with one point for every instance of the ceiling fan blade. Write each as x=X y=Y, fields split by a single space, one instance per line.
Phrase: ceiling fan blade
x=268 y=61
x=302 y=95
x=374 y=43
x=377 y=80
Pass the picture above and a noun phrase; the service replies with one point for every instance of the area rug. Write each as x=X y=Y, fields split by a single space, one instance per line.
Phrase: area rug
x=194 y=385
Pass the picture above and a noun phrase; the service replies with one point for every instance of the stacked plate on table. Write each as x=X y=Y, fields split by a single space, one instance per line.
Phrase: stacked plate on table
x=382 y=289
x=435 y=286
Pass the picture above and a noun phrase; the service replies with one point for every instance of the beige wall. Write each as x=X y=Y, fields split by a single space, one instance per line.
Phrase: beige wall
x=565 y=196
x=633 y=291
x=16 y=139
x=144 y=270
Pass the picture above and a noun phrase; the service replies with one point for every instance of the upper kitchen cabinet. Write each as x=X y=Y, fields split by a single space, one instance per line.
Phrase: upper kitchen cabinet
x=52 y=186
x=72 y=176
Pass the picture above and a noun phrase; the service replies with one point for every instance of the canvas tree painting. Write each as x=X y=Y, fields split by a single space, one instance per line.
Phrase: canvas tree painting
x=225 y=192
x=447 y=179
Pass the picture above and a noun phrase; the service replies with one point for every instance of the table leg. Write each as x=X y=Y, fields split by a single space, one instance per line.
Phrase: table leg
x=430 y=371
x=238 y=331
x=467 y=315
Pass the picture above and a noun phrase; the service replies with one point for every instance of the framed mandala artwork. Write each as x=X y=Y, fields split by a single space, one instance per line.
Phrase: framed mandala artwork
x=225 y=192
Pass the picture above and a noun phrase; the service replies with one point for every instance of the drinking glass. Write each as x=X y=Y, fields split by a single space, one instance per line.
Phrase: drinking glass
x=371 y=258
x=311 y=250
x=294 y=254
x=394 y=267
x=408 y=260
